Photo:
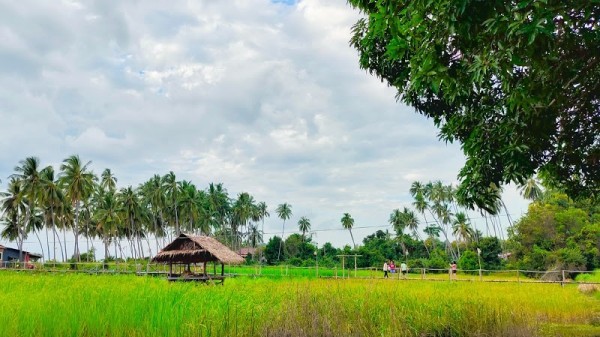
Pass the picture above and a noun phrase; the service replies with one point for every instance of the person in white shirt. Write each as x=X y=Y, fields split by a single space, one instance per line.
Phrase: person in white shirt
x=386 y=268
x=404 y=269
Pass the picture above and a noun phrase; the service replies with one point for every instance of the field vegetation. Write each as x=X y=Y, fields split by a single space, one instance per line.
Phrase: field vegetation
x=127 y=305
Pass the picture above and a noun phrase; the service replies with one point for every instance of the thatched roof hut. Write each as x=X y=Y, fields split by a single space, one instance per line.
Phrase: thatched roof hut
x=187 y=249
x=197 y=249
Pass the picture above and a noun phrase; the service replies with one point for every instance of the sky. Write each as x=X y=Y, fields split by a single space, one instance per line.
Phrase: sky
x=266 y=97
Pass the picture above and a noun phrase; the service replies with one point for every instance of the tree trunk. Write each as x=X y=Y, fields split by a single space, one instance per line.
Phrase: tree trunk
x=65 y=241
x=76 y=232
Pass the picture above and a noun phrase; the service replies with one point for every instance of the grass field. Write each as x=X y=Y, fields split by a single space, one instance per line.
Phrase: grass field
x=35 y=304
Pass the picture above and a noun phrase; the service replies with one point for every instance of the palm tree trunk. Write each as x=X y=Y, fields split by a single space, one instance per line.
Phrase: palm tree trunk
x=41 y=245
x=281 y=242
x=47 y=241
x=56 y=236
x=65 y=241
x=352 y=236
x=76 y=232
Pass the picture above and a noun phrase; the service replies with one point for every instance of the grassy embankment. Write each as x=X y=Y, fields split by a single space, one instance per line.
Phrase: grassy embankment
x=122 y=305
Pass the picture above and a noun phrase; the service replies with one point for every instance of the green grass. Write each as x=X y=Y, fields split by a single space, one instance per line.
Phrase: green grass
x=126 y=305
x=589 y=277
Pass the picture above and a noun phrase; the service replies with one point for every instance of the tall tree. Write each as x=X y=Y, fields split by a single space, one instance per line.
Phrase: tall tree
x=531 y=189
x=171 y=189
x=53 y=201
x=486 y=70
x=284 y=212
x=108 y=181
x=304 y=226
x=78 y=183
x=348 y=223
x=28 y=172
x=14 y=208
x=461 y=229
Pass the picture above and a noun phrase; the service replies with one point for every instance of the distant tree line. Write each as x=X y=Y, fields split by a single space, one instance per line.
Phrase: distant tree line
x=556 y=231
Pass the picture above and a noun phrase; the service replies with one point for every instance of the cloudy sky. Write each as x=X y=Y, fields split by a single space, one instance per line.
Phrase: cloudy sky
x=263 y=96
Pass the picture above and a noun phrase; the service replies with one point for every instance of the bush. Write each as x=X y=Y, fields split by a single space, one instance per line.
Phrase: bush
x=468 y=261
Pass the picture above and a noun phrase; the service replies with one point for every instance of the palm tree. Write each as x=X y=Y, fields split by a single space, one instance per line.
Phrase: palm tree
x=107 y=220
x=31 y=182
x=304 y=226
x=461 y=229
x=531 y=189
x=14 y=208
x=53 y=201
x=254 y=236
x=284 y=212
x=396 y=221
x=263 y=212
x=78 y=183
x=171 y=190
x=243 y=210
x=129 y=204
x=153 y=196
x=219 y=204
x=108 y=181
x=432 y=232
x=348 y=223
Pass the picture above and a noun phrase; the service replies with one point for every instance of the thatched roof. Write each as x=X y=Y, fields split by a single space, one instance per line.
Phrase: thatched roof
x=196 y=249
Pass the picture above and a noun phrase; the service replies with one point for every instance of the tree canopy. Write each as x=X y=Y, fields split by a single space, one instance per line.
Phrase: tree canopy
x=517 y=83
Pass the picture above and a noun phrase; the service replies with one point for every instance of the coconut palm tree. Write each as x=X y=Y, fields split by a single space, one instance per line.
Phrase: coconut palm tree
x=129 y=205
x=28 y=172
x=531 y=189
x=107 y=220
x=53 y=200
x=243 y=211
x=108 y=181
x=348 y=223
x=14 y=208
x=78 y=183
x=171 y=190
x=461 y=229
x=284 y=212
x=397 y=222
x=304 y=226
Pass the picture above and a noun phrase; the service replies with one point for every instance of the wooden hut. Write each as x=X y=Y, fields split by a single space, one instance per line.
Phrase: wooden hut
x=186 y=250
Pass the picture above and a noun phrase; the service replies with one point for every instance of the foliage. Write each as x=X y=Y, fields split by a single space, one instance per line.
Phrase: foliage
x=468 y=261
x=557 y=232
x=490 y=250
x=272 y=249
x=524 y=74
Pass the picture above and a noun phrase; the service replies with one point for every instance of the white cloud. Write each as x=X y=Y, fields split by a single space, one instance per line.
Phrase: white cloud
x=264 y=97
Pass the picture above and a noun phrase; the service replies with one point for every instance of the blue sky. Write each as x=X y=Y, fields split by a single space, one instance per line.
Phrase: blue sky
x=265 y=98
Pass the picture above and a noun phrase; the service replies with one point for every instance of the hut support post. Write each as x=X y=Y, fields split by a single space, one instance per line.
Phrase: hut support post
x=204 y=268
x=170 y=269
x=222 y=269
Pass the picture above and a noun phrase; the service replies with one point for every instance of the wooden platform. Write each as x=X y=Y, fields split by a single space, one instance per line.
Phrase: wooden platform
x=197 y=278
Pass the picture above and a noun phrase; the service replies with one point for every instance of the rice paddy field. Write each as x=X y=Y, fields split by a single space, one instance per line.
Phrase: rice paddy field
x=68 y=304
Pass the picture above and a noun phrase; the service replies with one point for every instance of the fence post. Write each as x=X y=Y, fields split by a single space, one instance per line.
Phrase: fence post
x=563 y=278
x=518 y=279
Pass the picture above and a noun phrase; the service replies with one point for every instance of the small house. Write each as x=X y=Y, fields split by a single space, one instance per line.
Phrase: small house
x=187 y=250
x=9 y=257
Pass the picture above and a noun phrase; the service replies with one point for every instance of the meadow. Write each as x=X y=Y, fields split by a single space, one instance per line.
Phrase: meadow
x=68 y=304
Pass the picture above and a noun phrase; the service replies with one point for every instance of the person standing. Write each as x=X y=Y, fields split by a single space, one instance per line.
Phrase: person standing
x=386 y=268
x=392 y=267
x=453 y=270
x=403 y=269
